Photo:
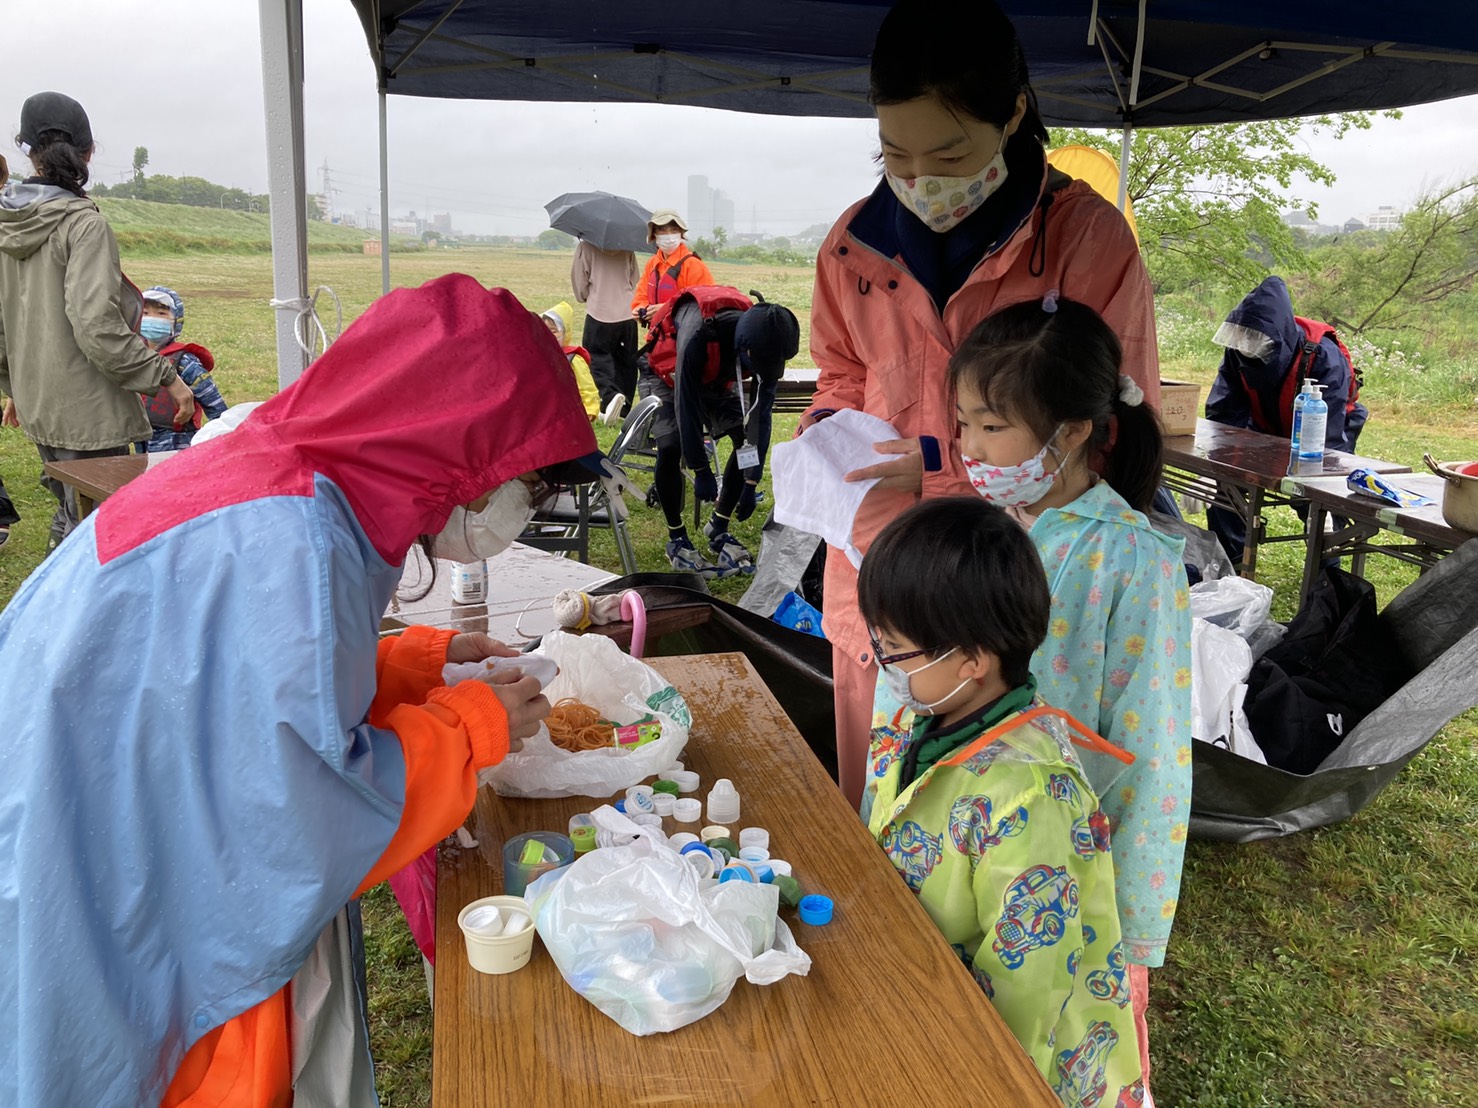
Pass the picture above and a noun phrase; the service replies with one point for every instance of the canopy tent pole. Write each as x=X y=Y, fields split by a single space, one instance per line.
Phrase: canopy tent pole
x=1124 y=164
x=384 y=199
x=1134 y=74
x=287 y=179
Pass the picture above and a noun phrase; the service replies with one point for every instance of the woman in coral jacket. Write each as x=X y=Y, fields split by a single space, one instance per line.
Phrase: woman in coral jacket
x=208 y=748
x=967 y=219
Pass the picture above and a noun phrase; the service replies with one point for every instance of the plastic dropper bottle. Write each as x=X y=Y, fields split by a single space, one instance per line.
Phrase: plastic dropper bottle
x=1295 y=438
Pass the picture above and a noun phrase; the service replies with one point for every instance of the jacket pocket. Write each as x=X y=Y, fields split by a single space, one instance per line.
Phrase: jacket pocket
x=894 y=387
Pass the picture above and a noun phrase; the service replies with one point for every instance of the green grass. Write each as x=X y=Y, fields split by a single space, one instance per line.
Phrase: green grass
x=1334 y=967
x=144 y=227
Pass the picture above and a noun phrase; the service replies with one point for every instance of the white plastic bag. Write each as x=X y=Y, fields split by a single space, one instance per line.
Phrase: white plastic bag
x=593 y=669
x=1239 y=605
x=1220 y=663
x=636 y=931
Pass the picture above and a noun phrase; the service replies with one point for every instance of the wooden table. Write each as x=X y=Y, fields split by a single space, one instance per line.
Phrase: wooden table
x=1429 y=536
x=888 y=1013
x=1247 y=472
x=96 y=479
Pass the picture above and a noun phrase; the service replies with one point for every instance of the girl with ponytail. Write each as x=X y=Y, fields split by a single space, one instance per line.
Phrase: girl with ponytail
x=1051 y=429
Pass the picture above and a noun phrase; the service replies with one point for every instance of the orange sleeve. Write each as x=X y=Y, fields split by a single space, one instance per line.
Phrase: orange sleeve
x=641 y=298
x=407 y=669
x=445 y=741
x=244 y=1063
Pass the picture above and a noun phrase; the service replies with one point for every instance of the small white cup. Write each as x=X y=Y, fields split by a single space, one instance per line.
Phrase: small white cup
x=490 y=948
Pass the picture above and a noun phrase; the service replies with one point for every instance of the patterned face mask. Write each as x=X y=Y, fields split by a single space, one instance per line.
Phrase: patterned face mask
x=1018 y=486
x=943 y=202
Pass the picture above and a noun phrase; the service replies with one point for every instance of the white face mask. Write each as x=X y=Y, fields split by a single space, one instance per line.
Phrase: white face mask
x=900 y=686
x=469 y=537
x=668 y=243
x=944 y=202
x=1018 y=486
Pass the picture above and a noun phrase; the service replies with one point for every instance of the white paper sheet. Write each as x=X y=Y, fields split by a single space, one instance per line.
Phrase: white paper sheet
x=808 y=473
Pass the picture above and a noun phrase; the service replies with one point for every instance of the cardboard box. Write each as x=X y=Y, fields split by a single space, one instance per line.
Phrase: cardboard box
x=1180 y=406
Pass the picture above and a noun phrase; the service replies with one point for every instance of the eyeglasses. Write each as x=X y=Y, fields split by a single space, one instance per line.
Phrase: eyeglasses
x=891 y=659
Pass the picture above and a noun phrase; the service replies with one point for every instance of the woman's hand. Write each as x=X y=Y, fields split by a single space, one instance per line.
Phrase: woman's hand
x=905 y=471
x=474 y=646
x=184 y=402
x=525 y=706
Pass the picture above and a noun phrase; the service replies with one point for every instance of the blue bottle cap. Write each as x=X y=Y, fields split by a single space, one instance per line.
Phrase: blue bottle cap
x=733 y=873
x=815 y=910
x=691 y=848
x=620 y=805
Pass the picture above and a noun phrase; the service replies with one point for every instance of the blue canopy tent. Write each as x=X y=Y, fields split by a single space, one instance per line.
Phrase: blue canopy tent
x=1095 y=63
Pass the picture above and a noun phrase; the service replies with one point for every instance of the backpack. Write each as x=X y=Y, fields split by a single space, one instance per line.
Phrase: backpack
x=664 y=281
x=160 y=408
x=713 y=301
x=1314 y=333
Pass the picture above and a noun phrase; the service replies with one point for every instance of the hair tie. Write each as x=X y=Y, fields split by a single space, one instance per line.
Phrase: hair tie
x=1049 y=302
x=1129 y=393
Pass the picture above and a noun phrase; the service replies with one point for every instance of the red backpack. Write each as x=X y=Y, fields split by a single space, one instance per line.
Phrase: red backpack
x=1314 y=333
x=661 y=345
x=160 y=407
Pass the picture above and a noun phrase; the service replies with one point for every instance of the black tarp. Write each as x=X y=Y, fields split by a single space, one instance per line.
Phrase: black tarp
x=1204 y=61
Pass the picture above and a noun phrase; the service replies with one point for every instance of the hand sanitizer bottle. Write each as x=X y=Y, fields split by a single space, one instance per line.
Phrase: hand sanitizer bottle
x=1315 y=418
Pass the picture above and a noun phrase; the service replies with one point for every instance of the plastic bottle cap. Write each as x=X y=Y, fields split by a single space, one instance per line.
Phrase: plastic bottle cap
x=700 y=860
x=687 y=780
x=676 y=767
x=736 y=871
x=726 y=844
x=583 y=838
x=620 y=805
x=581 y=819
x=816 y=910
x=723 y=802
x=781 y=867
x=713 y=831
x=754 y=836
x=662 y=803
x=687 y=810
x=647 y=819
x=665 y=786
x=639 y=798
x=754 y=853
x=682 y=839
x=790 y=890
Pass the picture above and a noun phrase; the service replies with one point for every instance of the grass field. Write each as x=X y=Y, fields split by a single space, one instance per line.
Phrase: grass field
x=1332 y=968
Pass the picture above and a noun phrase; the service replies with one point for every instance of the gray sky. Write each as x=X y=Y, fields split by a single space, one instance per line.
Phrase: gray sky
x=185 y=81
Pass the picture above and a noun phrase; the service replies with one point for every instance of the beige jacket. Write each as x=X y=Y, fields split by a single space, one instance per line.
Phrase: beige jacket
x=69 y=355
x=603 y=280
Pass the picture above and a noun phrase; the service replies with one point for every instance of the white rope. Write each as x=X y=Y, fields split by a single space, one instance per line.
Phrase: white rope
x=308 y=329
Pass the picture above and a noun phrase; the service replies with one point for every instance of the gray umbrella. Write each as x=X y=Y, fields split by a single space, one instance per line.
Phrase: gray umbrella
x=604 y=220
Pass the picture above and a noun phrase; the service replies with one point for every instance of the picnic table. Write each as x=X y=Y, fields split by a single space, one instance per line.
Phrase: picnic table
x=1247 y=472
x=96 y=479
x=1429 y=537
x=794 y=392
x=881 y=974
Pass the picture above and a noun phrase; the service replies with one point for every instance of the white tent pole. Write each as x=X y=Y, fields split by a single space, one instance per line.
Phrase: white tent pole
x=1124 y=165
x=287 y=179
x=384 y=199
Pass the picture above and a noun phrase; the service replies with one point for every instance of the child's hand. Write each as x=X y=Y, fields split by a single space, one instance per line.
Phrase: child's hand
x=8 y=418
x=905 y=471
x=474 y=646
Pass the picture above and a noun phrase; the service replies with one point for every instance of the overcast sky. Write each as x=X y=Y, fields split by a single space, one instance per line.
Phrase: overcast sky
x=184 y=80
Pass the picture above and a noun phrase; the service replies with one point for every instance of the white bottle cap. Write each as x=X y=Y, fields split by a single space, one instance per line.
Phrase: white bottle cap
x=687 y=810
x=714 y=831
x=723 y=802
x=780 y=867
x=662 y=803
x=753 y=854
x=686 y=780
x=754 y=836
x=639 y=799
x=682 y=839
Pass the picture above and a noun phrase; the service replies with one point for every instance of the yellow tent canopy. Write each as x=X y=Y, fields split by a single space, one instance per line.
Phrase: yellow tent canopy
x=1099 y=170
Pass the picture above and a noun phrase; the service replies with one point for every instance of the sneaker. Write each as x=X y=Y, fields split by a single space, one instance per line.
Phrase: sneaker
x=614 y=410
x=686 y=559
x=733 y=556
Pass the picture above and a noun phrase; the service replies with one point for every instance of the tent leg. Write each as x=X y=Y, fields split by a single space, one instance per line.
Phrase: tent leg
x=384 y=198
x=282 y=84
x=1124 y=165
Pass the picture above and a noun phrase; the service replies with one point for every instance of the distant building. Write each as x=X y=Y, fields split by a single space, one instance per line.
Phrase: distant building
x=1384 y=218
x=442 y=223
x=707 y=208
x=1353 y=225
x=1300 y=221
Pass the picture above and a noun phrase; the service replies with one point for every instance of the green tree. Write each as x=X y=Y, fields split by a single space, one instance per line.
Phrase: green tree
x=140 y=160
x=1382 y=281
x=1208 y=200
x=555 y=240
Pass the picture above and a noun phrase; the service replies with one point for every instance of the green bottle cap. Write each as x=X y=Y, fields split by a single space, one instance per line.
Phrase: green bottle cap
x=790 y=890
x=665 y=787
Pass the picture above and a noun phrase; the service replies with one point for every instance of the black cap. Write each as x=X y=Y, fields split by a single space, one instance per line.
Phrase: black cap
x=767 y=336
x=55 y=111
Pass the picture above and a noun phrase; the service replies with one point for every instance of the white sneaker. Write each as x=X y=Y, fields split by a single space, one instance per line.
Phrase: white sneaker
x=614 y=410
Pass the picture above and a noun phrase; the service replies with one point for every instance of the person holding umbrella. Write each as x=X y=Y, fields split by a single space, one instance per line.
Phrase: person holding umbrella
x=603 y=278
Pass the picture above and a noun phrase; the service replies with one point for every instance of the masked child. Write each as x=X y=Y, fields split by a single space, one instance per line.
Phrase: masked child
x=981 y=804
x=560 y=319
x=1051 y=430
x=161 y=327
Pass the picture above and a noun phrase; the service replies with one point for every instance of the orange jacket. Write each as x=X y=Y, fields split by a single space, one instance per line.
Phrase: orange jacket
x=883 y=347
x=447 y=735
x=657 y=286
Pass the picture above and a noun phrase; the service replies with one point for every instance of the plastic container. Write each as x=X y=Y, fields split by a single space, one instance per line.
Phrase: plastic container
x=687 y=780
x=723 y=802
x=687 y=810
x=662 y=803
x=713 y=831
x=754 y=836
x=470 y=583
x=498 y=932
x=532 y=855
